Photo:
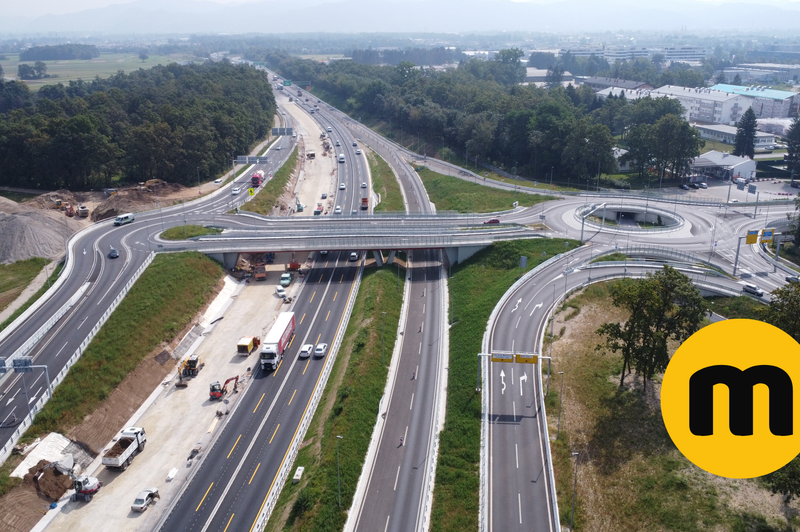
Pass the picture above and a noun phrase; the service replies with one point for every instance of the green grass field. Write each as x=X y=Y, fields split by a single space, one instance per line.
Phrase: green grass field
x=385 y=184
x=87 y=69
x=737 y=307
x=453 y=194
x=19 y=197
x=314 y=501
x=268 y=197
x=182 y=232
x=15 y=277
x=475 y=288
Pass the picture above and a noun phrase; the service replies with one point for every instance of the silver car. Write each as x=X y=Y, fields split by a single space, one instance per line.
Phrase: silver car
x=320 y=350
x=306 y=350
x=145 y=499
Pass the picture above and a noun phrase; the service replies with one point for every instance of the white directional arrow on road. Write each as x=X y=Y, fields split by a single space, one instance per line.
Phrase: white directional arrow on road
x=84 y=251
x=517 y=305
x=521 y=379
x=534 y=308
x=503 y=380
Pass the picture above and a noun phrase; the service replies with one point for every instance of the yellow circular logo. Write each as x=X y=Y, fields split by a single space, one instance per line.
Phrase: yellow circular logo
x=729 y=401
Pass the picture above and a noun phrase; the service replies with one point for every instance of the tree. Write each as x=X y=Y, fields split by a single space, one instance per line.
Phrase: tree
x=737 y=80
x=745 y=142
x=785 y=481
x=1 y=74
x=784 y=309
x=721 y=78
x=25 y=71
x=143 y=55
x=793 y=145
x=41 y=69
x=663 y=306
x=554 y=76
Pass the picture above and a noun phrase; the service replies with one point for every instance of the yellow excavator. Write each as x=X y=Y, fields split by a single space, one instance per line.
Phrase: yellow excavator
x=190 y=368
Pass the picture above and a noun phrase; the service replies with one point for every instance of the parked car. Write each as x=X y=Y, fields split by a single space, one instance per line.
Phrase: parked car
x=703 y=185
x=280 y=291
x=685 y=186
x=306 y=350
x=694 y=185
x=218 y=181
x=113 y=254
x=145 y=499
x=753 y=289
x=492 y=221
x=235 y=191
x=320 y=350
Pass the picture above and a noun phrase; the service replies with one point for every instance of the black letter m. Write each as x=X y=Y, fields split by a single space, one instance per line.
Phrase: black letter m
x=740 y=392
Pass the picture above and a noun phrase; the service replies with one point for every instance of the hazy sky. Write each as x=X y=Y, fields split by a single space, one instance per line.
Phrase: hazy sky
x=35 y=8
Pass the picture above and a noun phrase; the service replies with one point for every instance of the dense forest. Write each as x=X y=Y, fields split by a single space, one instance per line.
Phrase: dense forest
x=418 y=56
x=480 y=112
x=59 y=52
x=162 y=123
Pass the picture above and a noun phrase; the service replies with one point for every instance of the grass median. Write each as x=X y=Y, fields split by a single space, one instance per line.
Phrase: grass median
x=183 y=232
x=385 y=183
x=453 y=194
x=29 y=269
x=265 y=200
x=348 y=408
x=475 y=288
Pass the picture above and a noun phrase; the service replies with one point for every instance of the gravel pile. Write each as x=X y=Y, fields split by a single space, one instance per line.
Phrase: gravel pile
x=29 y=232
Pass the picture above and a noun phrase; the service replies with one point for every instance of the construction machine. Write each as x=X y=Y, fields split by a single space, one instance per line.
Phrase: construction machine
x=217 y=391
x=190 y=367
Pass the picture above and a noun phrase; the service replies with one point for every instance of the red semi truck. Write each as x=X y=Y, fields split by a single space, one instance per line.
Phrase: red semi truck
x=276 y=341
x=258 y=178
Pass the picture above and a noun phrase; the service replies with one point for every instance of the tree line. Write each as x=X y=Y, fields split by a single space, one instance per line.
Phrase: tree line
x=418 y=56
x=59 y=52
x=479 y=112
x=169 y=122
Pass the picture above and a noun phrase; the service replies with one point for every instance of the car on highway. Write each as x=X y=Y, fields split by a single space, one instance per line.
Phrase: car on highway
x=217 y=181
x=277 y=147
x=492 y=221
x=354 y=212
x=685 y=186
x=320 y=350
x=752 y=289
x=363 y=185
x=329 y=129
x=323 y=253
x=734 y=200
x=702 y=185
x=338 y=143
x=341 y=186
x=353 y=256
x=145 y=499
x=320 y=101
x=792 y=279
x=324 y=195
x=337 y=210
x=113 y=254
x=355 y=143
x=306 y=350
x=235 y=191
x=358 y=151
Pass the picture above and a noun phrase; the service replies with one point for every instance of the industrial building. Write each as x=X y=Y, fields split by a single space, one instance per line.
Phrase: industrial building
x=727 y=134
x=767 y=103
x=707 y=105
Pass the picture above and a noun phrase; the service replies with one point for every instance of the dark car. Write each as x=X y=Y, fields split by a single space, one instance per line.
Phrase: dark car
x=492 y=221
x=694 y=185
x=113 y=254
x=792 y=279
x=685 y=186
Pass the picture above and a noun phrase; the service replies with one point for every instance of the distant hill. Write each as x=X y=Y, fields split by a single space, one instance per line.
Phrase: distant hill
x=334 y=16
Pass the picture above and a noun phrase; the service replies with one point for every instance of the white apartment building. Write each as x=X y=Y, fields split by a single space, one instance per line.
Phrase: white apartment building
x=767 y=103
x=706 y=105
x=684 y=54
x=625 y=53
x=727 y=134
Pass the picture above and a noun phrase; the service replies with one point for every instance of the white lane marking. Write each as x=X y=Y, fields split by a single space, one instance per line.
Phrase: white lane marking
x=37 y=378
x=503 y=380
x=516 y=452
x=521 y=380
x=420 y=348
x=514 y=404
x=395 y=486
x=387 y=523
x=519 y=500
x=529 y=302
x=423 y=308
x=534 y=309
x=33 y=398
x=62 y=348
x=82 y=322
x=412 y=401
x=512 y=376
x=517 y=326
x=13 y=396
x=517 y=305
x=405 y=436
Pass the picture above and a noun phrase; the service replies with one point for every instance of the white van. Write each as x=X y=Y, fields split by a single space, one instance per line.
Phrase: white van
x=123 y=219
x=341 y=157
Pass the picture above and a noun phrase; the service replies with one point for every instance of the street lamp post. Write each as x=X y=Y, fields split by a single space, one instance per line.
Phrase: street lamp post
x=574 y=490
x=560 y=395
x=338 y=473
x=515 y=179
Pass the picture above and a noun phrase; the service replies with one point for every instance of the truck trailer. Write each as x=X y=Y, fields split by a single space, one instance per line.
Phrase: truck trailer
x=277 y=340
x=258 y=178
x=130 y=443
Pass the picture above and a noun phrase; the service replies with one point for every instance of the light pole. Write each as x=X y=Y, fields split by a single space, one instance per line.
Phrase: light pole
x=574 y=490
x=560 y=395
x=198 y=180
x=515 y=180
x=383 y=340
x=551 y=177
x=339 y=475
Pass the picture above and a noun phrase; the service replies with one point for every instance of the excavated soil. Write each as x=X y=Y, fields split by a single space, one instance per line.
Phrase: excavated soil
x=24 y=506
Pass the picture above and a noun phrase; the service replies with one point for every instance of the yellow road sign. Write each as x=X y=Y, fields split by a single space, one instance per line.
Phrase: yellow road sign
x=502 y=357
x=526 y=359
x=766 y=235
x=752 y=237
x=252 y=192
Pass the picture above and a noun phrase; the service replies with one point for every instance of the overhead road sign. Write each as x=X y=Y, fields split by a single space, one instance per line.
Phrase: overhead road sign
x=752 y=237
x=244 y=159
x=287 y=83
x=502 y=357
x=276 y=131
x=508 y=356
x=766 y=235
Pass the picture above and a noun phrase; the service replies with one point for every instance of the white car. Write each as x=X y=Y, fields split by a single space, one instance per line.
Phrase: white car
x=329 y=129
x=323 y=253
x=305 y=351
x=363 y=185
x=280 y=291
x=144 y=499
x=337 y=210
x=277 y=147
x=341 y=186
x=358 y=151
x=752 y=289
x=217 y=181
x=353 y=256
x=338 y=143
x=235 y=191
x=320 y=350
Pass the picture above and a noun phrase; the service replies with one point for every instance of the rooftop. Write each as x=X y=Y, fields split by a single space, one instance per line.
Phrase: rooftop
x=706 y=94
x=613 y=82
x=718 y=158
x=754 y=92
x=731 y=130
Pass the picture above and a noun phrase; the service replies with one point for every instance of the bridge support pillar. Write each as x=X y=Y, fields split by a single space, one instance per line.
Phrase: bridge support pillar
x=390 y=260
x=460 y=254
x=228 y=260
x=378 y=254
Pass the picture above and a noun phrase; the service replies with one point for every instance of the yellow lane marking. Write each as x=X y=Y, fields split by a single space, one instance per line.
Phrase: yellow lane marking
x=304 y=371
x=294 y=392
x=286 y=454
x=318 y=337
x=340 y=280
x=254 y=473
x=275 y=373
x=320 y=277
x=326 y=317
x=259 y=401
x=234 y=446
x=204 y=498
x=274 y=433
x=312 y=296
x=301 y=319
x=334 y=295
x=229 y=523
x=290 y=342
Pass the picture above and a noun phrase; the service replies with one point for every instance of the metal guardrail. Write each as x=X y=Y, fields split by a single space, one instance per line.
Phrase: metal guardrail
x=283 y=472
x=647 y=209
x=5 y=451
x=659 y=251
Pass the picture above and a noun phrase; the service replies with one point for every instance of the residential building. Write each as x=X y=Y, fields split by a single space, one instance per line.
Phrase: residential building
x=537 y=75
x=684 y=54
x=727 y=134
x=767 y=103
x=706 y=105
x=600 y=83
x=723 y=165
x=582 y=51
x=618 y=153
x=630 y=94
x=625 y=53
x=781 y=73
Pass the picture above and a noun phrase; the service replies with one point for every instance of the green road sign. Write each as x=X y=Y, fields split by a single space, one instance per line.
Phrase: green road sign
x=287 y=83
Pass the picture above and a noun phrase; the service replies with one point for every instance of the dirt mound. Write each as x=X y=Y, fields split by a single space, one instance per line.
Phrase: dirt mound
x=49 y=482
x=48 y=200
x=31 y=233
x=136 y=199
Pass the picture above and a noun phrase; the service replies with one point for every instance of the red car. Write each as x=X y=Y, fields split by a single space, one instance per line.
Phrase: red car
x=492 y=221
